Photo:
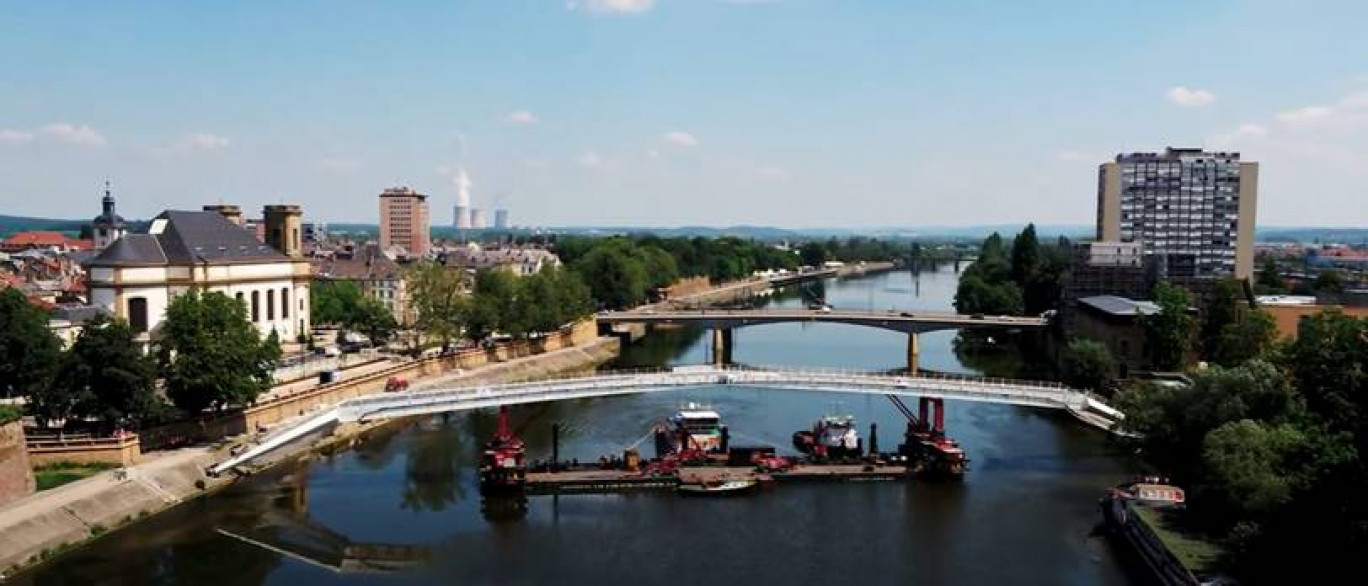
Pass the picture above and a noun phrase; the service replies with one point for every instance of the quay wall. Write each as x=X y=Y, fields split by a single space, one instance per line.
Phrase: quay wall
x=16 y=472
x=36 y=528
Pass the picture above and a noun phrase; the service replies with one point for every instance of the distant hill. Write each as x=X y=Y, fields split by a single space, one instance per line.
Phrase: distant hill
x=12 y=224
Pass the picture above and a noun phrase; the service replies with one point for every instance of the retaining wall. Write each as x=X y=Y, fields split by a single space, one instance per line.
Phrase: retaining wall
x=16 y=472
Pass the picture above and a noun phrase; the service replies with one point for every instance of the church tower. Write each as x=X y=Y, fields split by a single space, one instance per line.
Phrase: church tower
x=108 y=225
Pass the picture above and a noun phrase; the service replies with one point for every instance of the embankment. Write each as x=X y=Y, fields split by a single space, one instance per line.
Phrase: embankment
x=41 y=526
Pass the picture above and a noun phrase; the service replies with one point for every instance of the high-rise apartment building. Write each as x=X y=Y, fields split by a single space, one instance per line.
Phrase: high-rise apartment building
x=404 y=221
x=501 y=219
x=1192 y=208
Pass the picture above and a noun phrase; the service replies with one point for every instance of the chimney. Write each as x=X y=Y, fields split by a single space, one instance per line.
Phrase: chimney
x=232 y=212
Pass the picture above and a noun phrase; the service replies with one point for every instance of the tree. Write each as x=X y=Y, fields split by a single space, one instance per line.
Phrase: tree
x=976 y=295
x=108 y=376
x=372 y=318
x=616 y=278
x=331 y=302
x=812 y=254
x=1025 y=256
x=1270 y=280
x=1174 y=420
x=1088 y=365
x=28 y=350
x=496 y=306
x=211 y=355
x=1250 y=337
x=1249 y=468
x=1329 y=363
x=435 y=295
x=1169 y=332
x=1329 y=282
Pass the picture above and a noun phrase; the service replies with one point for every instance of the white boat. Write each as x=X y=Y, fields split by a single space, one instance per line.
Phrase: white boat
x=718 y=487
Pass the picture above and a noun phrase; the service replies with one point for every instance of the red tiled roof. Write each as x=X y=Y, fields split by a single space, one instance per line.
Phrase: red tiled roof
x=37 y=238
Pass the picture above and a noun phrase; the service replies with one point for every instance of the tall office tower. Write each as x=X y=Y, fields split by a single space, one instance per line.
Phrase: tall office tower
x=283 y=229
x=501 y=219
x=1194 y=209
x=404 y=220
x=477 y=219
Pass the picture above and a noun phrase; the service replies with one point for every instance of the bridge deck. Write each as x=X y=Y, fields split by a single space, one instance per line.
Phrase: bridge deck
x=390 y=405
x=903 y=321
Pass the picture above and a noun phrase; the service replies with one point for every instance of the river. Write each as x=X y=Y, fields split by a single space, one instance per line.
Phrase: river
x=404 y=506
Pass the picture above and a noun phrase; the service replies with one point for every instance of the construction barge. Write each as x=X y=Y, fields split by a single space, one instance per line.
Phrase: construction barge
x=694 y=457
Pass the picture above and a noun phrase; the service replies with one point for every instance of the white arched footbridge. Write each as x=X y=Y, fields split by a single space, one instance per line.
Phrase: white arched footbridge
x=1044 y=395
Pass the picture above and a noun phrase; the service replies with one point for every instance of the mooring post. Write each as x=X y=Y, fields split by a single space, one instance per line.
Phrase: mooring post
x=555 y=447
x=873 y=439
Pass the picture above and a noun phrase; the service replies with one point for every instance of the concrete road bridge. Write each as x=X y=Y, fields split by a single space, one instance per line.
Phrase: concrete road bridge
x=937 y=388
x=723 y=321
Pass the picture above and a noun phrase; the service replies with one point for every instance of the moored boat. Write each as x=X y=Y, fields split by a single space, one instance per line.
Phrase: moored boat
x=832 y=436
x=718 y=487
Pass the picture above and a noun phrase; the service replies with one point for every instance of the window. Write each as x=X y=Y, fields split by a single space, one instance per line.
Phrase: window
x=137 y=314
x=270 y=305
x=284 y=303
x=256 y=306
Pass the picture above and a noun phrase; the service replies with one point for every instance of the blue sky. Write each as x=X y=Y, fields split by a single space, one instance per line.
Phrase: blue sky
x=795 y=113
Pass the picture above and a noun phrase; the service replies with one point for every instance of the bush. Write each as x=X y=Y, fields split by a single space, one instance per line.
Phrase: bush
x=9 y=413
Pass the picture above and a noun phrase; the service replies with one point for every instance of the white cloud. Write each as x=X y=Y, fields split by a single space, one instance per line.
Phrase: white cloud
x=1307 y=115
x=1190 y=98
x=679 y=138
x=611 y=6
x=590 y=160
x=1240 y=134
x=78 y=135
x=202 y=141
x=521 y=117
x=15 y=136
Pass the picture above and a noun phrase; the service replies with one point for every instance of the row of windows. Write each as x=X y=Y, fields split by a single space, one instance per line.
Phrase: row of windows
x=255 y=306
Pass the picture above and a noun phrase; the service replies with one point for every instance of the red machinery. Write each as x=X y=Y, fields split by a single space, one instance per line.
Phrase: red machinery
x=925 y=444
x=504 y=466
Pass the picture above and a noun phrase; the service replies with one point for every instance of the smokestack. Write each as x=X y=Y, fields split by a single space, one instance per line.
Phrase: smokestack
x=463 y=184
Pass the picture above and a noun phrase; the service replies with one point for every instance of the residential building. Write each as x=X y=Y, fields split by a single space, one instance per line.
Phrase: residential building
x=519 y=261
x=1288 y=311
x=43 y=240
x=66 y=320
x=373 y=273
x=1193 y=209
x=137 y=276
x=1117 y=323
x=404 y=221
x=501 y=219
x=109 y=225
x=1106 y=268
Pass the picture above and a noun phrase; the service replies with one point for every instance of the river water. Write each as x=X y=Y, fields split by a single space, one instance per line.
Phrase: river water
x=404 y=507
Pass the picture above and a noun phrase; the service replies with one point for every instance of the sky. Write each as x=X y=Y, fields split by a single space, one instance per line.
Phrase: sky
x=790 y=113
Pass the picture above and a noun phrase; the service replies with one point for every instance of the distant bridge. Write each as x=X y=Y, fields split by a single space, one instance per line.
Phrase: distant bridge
x=1042 y=395
x=723 y=321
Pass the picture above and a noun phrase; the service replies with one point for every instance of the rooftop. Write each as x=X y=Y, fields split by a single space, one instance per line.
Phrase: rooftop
x=1120 y=306
x=184 y=237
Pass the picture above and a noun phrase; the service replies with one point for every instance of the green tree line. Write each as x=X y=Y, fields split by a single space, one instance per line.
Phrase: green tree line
x=1272 y=447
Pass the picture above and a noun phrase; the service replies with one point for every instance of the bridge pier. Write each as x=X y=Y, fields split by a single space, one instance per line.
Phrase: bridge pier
x=722 y=346
x=913 y=351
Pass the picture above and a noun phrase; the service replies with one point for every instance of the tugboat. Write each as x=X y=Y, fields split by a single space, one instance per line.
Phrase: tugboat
x=503 y=469
x=832 y=436
x=694 y=431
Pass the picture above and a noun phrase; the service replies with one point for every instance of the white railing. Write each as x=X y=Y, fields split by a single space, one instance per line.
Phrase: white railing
x=1038 y=394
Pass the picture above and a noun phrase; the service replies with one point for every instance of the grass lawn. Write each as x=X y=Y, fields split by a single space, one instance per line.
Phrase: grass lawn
x=54 y=475
x=1197 y=554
